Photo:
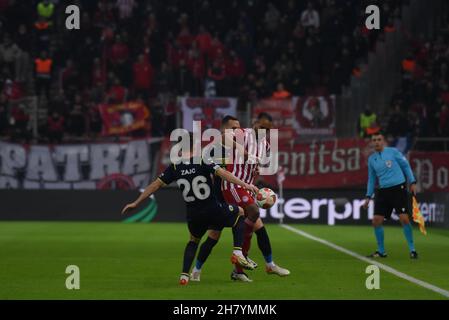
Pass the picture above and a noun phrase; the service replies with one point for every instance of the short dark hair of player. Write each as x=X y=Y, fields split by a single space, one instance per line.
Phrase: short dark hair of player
x=264 y=115
x=380 y=133
x=228 y=118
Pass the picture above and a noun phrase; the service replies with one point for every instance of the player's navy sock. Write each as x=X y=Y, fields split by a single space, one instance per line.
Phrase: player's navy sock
x=249 y=227
x=264 y=244
x=248 y=234
x=205 y=250
x=238 y=231
x=408 y=233
x=189 y=255
x=379 y=232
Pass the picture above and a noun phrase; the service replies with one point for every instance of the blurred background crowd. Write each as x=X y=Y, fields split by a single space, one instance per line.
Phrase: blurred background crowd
x=155 y=51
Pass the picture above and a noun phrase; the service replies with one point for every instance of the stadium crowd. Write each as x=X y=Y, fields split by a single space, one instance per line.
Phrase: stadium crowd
x=420 y=105
x=422 y=101
x=154 y=51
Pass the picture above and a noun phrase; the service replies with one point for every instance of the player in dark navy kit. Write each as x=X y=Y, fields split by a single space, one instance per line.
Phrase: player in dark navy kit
x=204 y=211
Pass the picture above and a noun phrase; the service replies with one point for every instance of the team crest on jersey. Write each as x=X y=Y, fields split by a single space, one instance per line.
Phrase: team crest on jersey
x=231 y=208
x=388 y=163
x=245 y=199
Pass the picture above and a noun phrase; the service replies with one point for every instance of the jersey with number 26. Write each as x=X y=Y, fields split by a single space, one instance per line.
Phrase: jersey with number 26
x=195 y=182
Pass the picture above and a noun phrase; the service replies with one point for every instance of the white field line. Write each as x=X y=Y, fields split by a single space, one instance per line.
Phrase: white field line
x=370 y=261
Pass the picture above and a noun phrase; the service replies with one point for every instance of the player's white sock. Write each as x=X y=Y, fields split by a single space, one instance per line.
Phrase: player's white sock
x=238 y=253
x=270 y=264
x=196 y=270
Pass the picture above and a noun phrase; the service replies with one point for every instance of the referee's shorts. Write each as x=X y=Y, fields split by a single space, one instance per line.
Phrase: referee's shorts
x=387 y=199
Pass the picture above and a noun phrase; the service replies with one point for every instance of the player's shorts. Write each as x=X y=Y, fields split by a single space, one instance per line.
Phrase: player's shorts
x=395 y=197
x=214 y=217
x=238 y=196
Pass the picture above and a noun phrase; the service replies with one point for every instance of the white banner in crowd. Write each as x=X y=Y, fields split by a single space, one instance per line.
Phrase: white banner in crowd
x=82 y=166
x=209 y=111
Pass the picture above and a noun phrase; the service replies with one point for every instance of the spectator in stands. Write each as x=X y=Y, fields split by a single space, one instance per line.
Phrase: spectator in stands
x=296 y=80
x=55 y=127
x=217 y=73
x=94 y=121
x=76 y=122
x=184 y=37
x=119 y=55
x=12 y=90
x=281 y=92
x=216 y=49
x=43 y=76
x=117 y=93
x=23 y=59
x=397 y=125
x=408 y=69
x=4 y=114
x=310 y=17
x=242 y=39
x=69 y=77
x=183 y=79
x=367 y=121
x=9 y=51
x=203 y=39
x=125 y=8
x=272 y=17
x=390 y=27
x=43 y=31
x=196 y=65
x=157 y=116
x=235 y=69
x=164 y=78
x=443 y=126
x=98 y=73
x=19 y=123
x=143 y=77
x=46 y=9
x=22 y=38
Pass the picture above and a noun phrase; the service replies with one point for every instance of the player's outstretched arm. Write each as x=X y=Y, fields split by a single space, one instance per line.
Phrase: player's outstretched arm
x=228 y=176
x=152 y=188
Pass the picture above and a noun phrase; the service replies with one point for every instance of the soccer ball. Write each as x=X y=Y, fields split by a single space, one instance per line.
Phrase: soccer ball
x=265 y=198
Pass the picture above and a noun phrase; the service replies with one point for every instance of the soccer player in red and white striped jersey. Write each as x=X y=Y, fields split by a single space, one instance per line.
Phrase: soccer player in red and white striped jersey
x=245 y=167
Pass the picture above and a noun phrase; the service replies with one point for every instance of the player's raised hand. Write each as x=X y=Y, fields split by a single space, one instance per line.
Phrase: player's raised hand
x=129 y=206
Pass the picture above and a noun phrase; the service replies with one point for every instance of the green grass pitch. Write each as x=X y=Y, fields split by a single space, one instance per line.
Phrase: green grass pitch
x=143 y=261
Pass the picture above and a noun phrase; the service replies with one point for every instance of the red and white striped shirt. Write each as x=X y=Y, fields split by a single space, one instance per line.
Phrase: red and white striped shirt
x=242 y=167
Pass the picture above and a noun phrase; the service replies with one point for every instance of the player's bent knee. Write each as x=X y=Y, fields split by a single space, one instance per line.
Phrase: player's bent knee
x=252 y=212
